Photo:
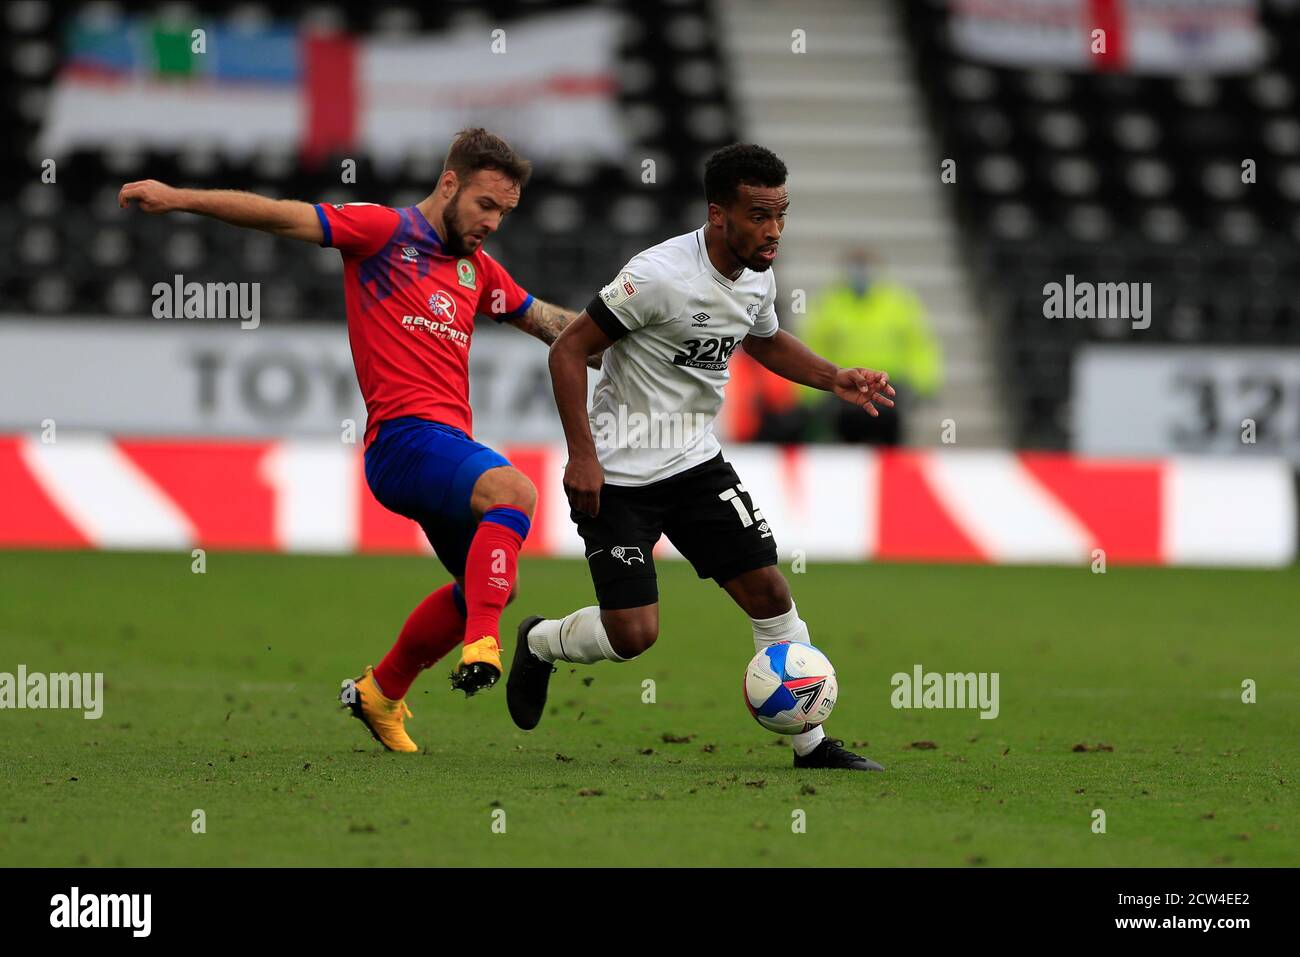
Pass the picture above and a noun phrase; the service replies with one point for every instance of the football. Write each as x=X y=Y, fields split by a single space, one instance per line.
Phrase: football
x=790 y=687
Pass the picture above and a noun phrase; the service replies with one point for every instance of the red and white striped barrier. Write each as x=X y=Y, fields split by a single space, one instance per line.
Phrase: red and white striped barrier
x=830 y=503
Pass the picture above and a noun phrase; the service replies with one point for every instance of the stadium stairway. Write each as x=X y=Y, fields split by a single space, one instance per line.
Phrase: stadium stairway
x=848 y=119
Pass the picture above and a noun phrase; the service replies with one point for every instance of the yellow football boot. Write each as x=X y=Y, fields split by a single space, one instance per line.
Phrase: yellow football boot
x=480 y=666
x=384 y=717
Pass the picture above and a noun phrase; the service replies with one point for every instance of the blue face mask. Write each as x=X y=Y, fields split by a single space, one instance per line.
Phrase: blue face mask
x=859 y=280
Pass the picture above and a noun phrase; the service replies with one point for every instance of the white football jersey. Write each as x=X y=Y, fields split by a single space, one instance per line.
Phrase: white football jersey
x=676 y=321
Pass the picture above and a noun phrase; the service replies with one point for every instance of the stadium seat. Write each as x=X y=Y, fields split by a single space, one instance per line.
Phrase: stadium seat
x=1132 y=178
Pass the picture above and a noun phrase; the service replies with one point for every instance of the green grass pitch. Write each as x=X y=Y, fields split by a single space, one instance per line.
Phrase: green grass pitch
x=220 y=695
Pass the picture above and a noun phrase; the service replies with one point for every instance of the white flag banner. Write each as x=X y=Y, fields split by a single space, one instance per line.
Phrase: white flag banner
x=1138 y=36
x=546 y=84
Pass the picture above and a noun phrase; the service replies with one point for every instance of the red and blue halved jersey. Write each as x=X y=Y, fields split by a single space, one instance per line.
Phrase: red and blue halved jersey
x=411 y=308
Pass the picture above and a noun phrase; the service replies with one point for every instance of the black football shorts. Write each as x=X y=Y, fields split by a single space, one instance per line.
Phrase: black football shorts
x=705 y=512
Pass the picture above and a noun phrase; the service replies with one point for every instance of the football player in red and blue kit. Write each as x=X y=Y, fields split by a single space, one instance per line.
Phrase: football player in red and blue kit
x=414 y=279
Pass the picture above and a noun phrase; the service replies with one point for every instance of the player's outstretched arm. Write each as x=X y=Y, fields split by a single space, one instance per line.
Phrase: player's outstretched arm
x=283 y=217
x=789 y=358
x=583 y=475
x=545 y=321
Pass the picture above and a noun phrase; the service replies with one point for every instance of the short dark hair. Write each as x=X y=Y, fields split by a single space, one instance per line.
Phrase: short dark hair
x=476 y=149
x=740 y=164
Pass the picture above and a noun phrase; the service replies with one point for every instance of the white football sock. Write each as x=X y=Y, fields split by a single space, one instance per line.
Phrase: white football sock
x=788 y=627
x=579 y=638
x=806 y=743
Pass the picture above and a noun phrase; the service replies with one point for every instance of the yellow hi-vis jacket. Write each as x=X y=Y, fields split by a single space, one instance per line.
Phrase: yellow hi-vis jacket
x=884 y=330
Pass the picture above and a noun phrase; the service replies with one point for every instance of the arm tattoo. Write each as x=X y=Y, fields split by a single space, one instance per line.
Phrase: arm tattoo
x=544 y=320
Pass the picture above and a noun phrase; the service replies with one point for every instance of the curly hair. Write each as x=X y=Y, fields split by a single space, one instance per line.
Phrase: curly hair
x=740 y=164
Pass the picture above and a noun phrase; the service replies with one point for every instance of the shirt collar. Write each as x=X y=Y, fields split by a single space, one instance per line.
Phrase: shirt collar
x=430 y=233
x=708 y=263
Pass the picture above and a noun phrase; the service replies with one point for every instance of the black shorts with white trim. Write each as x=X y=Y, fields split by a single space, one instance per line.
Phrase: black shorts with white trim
x=706 y=513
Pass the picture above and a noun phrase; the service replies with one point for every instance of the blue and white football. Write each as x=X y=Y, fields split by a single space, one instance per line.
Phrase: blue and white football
x=790 y=687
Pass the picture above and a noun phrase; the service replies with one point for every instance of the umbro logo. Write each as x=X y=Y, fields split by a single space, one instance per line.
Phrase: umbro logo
x=701 y=318
x=409 y=253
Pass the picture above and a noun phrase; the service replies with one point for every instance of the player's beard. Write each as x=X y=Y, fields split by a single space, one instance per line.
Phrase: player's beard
x=751 y=261
x=453 y=227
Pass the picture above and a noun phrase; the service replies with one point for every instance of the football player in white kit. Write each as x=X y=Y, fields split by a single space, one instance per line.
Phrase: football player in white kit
x=644 y=460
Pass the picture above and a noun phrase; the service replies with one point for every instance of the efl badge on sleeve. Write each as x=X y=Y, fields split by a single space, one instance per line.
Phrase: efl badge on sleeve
x=619 y=291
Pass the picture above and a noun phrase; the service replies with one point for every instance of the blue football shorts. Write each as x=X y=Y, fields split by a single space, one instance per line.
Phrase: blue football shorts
x=426 y=472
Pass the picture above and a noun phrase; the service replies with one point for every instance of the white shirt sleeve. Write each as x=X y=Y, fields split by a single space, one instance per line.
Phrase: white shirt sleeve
x=765 y=323
x=642 y=294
